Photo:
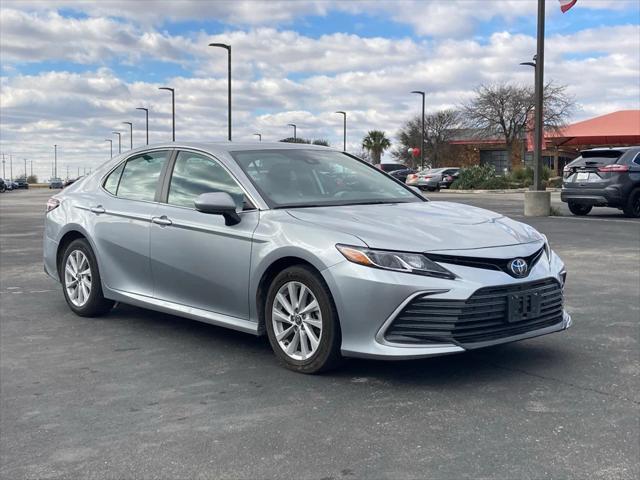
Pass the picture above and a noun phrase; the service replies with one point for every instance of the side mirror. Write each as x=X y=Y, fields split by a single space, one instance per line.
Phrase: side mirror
x=218 y=203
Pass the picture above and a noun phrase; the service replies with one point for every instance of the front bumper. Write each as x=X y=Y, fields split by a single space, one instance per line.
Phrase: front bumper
x=368 y=300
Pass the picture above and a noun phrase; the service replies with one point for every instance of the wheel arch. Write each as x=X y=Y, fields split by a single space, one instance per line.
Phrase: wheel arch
x=72 y=232
x=267 y=277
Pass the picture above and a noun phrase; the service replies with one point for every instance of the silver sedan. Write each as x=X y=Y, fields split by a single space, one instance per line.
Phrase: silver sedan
x=325 y=254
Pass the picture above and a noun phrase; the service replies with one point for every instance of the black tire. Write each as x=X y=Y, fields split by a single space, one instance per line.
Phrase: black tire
x=579 y=209
x=632 y=208
x=96 y=305
x=327 y=355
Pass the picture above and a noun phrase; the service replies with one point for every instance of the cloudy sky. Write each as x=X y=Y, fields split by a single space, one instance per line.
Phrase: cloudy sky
x=73 y=70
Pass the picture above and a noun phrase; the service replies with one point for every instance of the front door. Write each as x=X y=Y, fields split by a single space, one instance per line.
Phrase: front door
x=197 y=260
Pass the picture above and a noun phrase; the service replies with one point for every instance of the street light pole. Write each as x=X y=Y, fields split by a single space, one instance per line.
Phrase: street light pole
x=422 y=144
x=25 y=169
x=110 y=145
x=295 y=133
x=173 y=110
x=4 y=174
x=55 y=161
x=344 y=130
x=31 y=167
x=119 y=141
x=259 y=136
x=539 y=131
x=130 y=134
x=146 y=111
x=228 y=49
x=11 y=166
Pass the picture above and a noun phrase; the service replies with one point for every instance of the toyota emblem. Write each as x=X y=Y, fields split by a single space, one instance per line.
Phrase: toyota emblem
x=518 y=267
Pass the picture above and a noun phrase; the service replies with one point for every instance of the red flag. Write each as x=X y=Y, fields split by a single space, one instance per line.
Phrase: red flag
x=565 y=5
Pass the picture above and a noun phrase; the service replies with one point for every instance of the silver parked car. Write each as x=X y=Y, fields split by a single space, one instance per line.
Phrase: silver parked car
x=433 y=178
x=324 y=253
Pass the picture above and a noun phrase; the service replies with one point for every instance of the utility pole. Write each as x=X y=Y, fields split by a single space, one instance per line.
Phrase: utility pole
x=422 y=145
x=55 y=161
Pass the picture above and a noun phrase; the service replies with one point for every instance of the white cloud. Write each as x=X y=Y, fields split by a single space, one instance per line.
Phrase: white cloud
x=280 y=76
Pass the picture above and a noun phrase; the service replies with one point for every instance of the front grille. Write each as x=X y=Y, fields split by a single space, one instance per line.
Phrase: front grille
x=491 y=313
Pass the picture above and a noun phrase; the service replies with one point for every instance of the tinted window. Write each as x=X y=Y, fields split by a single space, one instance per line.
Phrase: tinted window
x=140 y=176
x=637 y=159
x=597 y=158
x=390 y=167
x=195 y=174
x=289 y=178
x=111 y=183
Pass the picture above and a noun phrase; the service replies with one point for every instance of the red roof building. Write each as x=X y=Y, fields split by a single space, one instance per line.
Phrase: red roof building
x=614 y=129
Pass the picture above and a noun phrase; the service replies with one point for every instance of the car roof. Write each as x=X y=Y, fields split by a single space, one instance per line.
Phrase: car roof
x=226 y=146
x=604 y=149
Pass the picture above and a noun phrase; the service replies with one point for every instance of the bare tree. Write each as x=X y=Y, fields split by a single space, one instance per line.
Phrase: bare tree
x=505 y=109
x=439 y=129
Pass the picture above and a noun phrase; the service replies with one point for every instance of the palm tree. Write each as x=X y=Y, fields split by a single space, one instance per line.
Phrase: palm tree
x=376 y=143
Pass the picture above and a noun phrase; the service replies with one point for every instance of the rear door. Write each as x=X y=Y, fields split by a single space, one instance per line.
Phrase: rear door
x=123 y=215
x=196 y=259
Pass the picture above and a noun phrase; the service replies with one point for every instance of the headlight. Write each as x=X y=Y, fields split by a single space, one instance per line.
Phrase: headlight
x=397 y=261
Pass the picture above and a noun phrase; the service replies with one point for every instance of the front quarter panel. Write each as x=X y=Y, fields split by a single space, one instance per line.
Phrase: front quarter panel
x=280 y=235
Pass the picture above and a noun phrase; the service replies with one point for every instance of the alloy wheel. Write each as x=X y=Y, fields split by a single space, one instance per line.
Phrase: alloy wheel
x=77 y=278
x=297 y=320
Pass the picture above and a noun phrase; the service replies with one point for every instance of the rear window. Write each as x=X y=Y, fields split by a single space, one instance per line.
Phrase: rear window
x=390 y=167
x=597 y=157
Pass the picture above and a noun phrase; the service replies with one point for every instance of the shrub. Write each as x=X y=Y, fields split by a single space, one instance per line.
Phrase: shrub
x=474 y=177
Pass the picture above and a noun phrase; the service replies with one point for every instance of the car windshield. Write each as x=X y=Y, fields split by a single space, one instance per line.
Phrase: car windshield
x=308 y=178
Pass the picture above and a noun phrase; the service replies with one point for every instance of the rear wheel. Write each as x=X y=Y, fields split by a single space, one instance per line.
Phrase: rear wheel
x=579 y=208
x=302 y=322
x=81 y=280
x=632 y=208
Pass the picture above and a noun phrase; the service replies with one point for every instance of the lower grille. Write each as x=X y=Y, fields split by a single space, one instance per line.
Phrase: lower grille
x=491 y=313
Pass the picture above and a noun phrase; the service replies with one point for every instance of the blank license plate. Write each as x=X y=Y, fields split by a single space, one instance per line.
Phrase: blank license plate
x=582 y=177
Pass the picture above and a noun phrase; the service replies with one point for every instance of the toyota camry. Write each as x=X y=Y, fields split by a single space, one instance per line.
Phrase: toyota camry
x=327 y=255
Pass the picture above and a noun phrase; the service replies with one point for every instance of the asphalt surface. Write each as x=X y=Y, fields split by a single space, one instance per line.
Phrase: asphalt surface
x=138 y=394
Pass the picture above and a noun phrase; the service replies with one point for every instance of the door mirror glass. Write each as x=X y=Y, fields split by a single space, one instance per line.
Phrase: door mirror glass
x=218 y=203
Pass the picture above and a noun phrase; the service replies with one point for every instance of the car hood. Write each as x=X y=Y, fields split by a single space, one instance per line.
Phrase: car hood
x=421 y=226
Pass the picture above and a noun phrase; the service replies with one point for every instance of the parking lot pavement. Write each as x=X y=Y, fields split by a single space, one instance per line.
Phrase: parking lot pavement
x=142 y=394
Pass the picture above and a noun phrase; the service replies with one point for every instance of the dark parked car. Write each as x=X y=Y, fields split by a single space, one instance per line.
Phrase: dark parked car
x=603 y=177
x=402 y=174
x=56 y=183
x=3 y=186
x=392 y=167
x=22 y=183
x=448 y=177
x=70 y=181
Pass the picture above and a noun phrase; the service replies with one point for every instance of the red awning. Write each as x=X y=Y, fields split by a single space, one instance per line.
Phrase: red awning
x=617 y=128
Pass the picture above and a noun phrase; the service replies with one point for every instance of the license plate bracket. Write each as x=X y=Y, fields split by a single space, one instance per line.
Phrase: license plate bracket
x=523 y=306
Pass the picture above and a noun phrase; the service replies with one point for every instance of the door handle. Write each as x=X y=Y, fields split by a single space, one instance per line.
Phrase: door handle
x=97 y=209
x=162 y=221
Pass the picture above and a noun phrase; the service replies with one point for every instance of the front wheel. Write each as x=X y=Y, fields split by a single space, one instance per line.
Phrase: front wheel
x=579 y=208
x=81 y=280
x=632 y=208
x=302 y=321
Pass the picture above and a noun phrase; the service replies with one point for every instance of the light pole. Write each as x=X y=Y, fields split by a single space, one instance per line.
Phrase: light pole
x=539 y=86
x=295 y=133
x=110 y=145
x=173 y=110
x=228 y=49
x=119 y=141
x=25 y=169
x=344 y=130
x=55 y=161
x=130 y=134
x=4 y=174
x=31 y=167
x=422 y=144
x=11 y=166
x=259 y=136
x=146 y=111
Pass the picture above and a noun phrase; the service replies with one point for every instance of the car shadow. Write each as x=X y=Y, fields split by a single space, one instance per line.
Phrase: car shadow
x=487 y=365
